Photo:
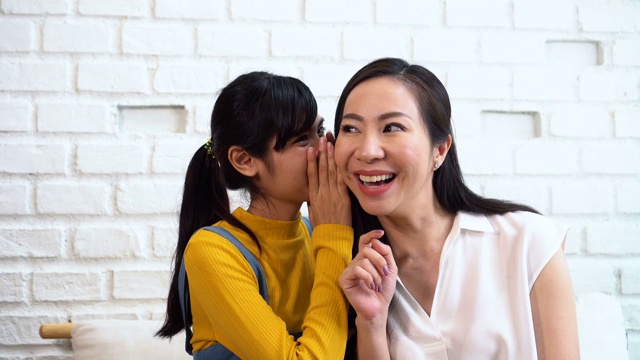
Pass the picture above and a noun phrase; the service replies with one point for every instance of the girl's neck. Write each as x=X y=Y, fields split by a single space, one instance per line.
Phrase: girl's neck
x=274 y=210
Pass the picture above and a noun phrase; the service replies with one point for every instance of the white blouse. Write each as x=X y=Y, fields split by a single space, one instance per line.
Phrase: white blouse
x=481 y=307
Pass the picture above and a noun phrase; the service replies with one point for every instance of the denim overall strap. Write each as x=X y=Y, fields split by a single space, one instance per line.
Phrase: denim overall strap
x=307 y=223
x=253 y=262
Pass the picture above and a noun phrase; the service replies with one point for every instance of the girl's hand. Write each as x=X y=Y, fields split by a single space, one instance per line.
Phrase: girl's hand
x=328 y=196
x=370 y=279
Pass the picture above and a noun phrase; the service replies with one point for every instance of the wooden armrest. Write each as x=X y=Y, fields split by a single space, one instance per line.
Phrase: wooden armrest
x=56 y=331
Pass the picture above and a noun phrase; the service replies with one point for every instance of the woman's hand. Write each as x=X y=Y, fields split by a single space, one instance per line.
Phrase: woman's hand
x=328 y=196
x=370 y=279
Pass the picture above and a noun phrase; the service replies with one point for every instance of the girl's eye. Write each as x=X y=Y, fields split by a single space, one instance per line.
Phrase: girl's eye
x=321 y=131
x=393 y=127
x=348 y=128
x=302 y=138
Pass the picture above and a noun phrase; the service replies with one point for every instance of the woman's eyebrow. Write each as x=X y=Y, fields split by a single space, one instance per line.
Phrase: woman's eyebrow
x=393 y=114
x=382 y=117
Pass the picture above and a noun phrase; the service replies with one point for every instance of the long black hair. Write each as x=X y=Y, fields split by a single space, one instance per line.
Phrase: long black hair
x=448 y=183
x=249 y=112
x=434 y=106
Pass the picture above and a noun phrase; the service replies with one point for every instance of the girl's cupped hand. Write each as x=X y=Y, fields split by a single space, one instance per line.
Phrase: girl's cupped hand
x=329 y=201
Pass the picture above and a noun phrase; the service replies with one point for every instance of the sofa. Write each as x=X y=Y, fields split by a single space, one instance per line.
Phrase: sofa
x=600 y=325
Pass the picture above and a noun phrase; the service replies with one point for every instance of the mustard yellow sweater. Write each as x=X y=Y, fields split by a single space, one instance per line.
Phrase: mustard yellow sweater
x=302 y=280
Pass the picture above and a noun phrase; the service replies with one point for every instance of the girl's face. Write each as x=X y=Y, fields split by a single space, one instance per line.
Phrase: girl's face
x=383 y=150
x=283 y=177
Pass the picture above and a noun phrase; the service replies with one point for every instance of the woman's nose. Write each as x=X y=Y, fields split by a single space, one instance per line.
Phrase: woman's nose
x=370 y=149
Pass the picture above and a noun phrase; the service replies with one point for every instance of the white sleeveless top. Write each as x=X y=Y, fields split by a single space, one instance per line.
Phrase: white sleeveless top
x=481 y=307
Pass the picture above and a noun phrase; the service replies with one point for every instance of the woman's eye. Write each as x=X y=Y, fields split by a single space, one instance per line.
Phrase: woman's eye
x=393 y=127
x=348 y=128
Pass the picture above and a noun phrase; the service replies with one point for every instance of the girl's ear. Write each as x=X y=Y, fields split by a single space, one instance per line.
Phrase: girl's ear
x=244 y=163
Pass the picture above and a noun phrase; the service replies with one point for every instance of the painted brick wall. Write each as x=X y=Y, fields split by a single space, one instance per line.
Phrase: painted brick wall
x=102 y=103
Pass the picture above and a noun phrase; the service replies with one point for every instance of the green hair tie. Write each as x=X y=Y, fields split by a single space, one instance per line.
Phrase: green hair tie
x=207 y=145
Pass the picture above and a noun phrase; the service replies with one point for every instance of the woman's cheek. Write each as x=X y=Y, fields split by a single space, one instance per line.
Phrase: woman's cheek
x=341 y=160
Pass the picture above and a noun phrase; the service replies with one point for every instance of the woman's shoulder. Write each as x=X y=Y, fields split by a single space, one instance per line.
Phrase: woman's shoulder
x=530 y=227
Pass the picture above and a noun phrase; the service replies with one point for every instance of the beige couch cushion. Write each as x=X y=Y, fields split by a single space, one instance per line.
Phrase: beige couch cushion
x=124 y=339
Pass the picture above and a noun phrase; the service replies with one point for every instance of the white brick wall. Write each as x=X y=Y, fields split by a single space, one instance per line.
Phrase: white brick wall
x=34 y=76
x=536 y=15
x=129 y=8
x=15 y=116
x=115 y=77
x=102 y=103
x=53 y=7
x=33 y=158
x=157 y=39
x=106 y=243
x=69 y=37
x=73 y=117
x=16 y=35
x=189 y=9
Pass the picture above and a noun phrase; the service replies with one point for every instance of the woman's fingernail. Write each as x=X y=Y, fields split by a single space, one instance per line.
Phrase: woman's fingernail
x=385 y=270
x=373 y=286
x=380 y=288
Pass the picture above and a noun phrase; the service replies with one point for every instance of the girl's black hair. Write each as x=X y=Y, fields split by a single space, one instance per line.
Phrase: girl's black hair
x=435 y=109
x=249 y=112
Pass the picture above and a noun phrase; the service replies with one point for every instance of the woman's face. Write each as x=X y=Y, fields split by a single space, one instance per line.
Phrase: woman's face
x=383 y=150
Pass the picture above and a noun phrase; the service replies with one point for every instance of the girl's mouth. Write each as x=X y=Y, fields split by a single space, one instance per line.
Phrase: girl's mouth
x=376 y=181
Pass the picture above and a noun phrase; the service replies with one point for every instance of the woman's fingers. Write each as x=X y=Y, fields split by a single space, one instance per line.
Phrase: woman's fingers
x=384 y=251
x=372 y=262
x=366 y=239
x=369 y=280
x=361 y=276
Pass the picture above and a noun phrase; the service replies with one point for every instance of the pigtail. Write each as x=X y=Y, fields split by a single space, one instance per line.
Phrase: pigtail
x=204 y=202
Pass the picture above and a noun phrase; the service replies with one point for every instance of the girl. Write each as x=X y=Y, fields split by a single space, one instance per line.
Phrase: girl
x=266 y=138
x=470 y=277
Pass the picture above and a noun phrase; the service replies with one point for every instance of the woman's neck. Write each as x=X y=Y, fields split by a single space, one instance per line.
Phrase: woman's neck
x=419 y=233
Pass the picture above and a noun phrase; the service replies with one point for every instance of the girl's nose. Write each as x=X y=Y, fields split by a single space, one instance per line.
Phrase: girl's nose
x=315 y=142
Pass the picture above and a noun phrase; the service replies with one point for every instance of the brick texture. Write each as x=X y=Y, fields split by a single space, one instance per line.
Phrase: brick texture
x=104 y=102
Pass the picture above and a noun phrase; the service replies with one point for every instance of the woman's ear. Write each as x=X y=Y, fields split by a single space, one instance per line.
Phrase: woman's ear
x=441 y=151
x=244 y=163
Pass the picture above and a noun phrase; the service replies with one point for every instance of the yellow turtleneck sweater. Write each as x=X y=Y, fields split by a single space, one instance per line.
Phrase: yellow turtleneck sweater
x=302 y=280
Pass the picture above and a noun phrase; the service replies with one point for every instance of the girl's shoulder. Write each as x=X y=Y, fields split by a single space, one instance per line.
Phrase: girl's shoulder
x=221 y=238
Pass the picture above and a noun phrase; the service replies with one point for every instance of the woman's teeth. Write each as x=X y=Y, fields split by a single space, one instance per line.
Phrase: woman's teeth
x=376 y=180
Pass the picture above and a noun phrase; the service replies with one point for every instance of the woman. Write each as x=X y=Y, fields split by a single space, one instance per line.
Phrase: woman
x=266 y=138
x=440 y=272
